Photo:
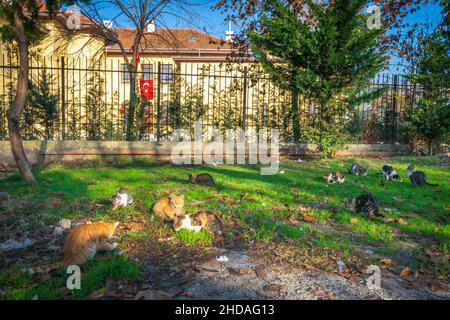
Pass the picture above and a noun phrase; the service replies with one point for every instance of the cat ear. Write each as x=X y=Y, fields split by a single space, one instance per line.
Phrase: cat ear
x=116 y=224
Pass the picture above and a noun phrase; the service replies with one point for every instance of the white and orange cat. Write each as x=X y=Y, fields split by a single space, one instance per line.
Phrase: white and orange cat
x=83 y=243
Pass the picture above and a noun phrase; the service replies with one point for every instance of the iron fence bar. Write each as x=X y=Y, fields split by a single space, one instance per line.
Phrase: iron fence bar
x=63 y=100
x=158 y=104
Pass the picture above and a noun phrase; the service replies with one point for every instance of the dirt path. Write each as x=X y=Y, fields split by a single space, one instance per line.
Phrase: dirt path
x=215 y=280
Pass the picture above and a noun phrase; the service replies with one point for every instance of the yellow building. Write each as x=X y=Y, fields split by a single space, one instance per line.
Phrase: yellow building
x=190 y=75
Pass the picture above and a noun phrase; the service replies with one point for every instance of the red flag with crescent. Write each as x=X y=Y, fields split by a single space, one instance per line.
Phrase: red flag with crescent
x=146 y=88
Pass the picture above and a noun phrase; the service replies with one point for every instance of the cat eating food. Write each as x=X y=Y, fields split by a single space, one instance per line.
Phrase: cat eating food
x=122 y=198
x=418 y=178
x=203 y=179
x=389 y=173
x=366 y=203
x=358 y=170
x=335 y=176
x=83 y=243
x=201 y=220
x=169 y=207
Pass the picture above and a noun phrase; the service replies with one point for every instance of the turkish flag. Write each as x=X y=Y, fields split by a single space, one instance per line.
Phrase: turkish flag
x=146 y=88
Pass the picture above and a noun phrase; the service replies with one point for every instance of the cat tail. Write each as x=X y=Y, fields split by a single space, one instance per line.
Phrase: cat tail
x=47 y=268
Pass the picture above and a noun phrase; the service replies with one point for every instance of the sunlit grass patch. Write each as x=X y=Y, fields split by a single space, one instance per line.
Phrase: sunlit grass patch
x=194 y=238
x=95 y=273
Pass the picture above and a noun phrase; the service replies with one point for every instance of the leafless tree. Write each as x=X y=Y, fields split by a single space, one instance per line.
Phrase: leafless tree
x=138 y=14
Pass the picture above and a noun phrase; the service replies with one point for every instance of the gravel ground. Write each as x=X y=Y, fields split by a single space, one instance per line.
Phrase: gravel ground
x=215 y=281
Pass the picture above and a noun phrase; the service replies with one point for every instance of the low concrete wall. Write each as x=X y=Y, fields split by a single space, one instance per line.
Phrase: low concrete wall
x=41 y=152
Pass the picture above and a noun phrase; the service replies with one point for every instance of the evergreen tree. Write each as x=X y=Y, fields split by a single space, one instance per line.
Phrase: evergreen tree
x=429 y=118
x=325 y=53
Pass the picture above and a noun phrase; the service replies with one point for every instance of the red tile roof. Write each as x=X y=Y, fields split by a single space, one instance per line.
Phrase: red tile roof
x=172 y=39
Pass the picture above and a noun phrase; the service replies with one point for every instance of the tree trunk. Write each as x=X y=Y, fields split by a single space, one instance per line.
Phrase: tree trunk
x=430 y=148
x=15 y=112
x=295 y=115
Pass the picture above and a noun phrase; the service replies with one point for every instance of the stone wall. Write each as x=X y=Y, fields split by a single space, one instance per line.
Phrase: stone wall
x=42 y=152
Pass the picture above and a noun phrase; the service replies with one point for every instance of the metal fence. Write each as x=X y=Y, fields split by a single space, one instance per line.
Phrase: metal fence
x=78 y=100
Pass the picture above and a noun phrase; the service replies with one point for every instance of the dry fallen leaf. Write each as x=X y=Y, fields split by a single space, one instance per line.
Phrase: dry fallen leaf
x=402 y=221
x=439 y=287
x=185 y=294
x=399 y=199
x=293 y=219
x=353 y=220
x=275 y=287
x=97 y=294
x=188 y=276
x=309 y=217
x=240 y=271
x=386 y=262
x=405 y=272
x=261 y=272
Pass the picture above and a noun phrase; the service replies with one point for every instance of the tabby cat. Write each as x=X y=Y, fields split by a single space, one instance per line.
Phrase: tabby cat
x=366 y=203
x=201 y=220
x=83 y=243
x=418 y=178
x=203 y=179
x=335 y=176
x=389 y=172
x=358 y=170
x=169 y=207
x=122 y=198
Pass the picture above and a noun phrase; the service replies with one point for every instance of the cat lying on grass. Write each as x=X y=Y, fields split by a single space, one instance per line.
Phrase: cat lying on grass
x=82 y=244
x=196 y=222
x=358 y=170
x=203 y=179
x=334 y=177
x=122 y=198
x=169 y=207
x=366 y=203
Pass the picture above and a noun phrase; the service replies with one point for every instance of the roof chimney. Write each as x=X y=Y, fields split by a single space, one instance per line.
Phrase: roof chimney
x=151 y=26
x=230 y=33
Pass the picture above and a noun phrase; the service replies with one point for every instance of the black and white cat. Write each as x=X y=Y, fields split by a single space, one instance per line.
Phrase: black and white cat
x=358 y=170
x=335 y=176
x=389 y=173
x=418 y=178
x=122 y=198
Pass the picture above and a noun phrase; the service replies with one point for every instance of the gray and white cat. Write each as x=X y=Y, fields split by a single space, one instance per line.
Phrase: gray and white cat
x=366 y=203
x=389 y=173
x=335 y=176
x=122 y=198
x=358 y=170
x=418 y=178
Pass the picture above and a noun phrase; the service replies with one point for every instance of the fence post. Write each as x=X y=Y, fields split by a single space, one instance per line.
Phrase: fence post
x=244 y=105
x=158 y=104
x=394 y=110
x=63 y=99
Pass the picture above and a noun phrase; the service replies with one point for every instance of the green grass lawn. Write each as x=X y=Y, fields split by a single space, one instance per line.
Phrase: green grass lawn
x=256 y=208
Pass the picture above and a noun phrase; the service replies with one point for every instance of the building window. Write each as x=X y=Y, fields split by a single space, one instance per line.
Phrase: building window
x=166 y=73
x=147 y=71
x=125 y=73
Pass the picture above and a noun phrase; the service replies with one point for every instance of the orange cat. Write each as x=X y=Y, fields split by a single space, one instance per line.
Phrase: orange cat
x=168 y=207
x=82 y=244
